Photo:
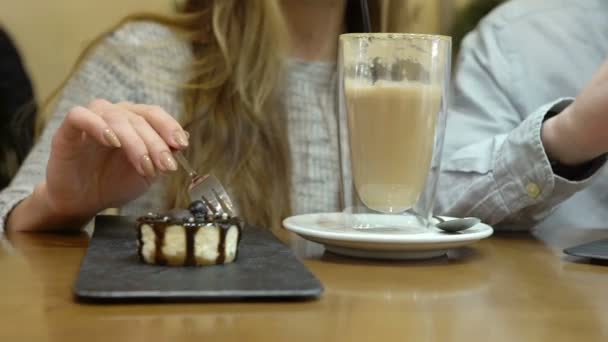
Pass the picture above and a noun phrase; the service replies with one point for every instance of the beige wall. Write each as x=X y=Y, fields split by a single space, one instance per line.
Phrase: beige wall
x=429 y=20
x=434 y=16
x=51 y=34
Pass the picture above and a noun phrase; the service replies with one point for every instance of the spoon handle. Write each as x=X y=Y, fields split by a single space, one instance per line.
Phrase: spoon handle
x=438 y=219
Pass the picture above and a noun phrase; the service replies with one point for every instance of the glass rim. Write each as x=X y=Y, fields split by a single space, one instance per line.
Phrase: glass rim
x=397 y=35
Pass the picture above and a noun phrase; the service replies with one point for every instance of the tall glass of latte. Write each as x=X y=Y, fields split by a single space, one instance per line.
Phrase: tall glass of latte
x=393 y=96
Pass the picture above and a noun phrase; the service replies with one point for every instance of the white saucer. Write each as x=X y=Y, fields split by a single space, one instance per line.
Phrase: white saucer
x=340 y=235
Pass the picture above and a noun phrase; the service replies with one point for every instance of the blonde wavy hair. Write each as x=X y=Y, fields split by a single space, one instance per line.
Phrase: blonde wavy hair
x=232 y=101
x=242 y=135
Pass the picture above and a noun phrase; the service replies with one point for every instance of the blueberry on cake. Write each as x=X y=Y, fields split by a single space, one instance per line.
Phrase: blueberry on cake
x=188 y=237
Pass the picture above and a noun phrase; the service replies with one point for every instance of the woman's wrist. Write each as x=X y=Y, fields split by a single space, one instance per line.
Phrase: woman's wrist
x=35 y=213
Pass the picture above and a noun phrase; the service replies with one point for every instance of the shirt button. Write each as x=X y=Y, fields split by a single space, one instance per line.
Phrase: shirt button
x=533 y=190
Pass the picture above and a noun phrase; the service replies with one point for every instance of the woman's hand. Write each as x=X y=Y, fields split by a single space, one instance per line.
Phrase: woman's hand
x=101 y=156
x=578 y=134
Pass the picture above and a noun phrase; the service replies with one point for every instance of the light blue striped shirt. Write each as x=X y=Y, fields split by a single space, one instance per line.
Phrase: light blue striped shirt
x=522 y=59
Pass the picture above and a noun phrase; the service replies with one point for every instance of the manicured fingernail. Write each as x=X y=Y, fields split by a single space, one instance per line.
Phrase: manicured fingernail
x=147 y=166
x=187 y=135
x=111 y=138
x=181 y=138
x=166 y=158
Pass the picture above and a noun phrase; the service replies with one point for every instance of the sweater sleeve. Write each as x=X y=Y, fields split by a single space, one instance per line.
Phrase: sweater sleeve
x=108 y=72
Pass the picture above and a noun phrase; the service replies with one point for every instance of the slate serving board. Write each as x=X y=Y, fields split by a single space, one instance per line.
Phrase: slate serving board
x=265 y=269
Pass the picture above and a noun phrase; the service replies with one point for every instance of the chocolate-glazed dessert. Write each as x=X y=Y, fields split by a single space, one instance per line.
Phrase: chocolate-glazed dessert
x=189 y=237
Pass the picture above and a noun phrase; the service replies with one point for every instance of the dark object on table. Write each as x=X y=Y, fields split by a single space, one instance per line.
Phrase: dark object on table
x=265 y=269
x=594 y=250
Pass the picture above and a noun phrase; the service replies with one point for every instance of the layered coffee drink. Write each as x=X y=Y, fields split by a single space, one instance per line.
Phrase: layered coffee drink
x=392 y=134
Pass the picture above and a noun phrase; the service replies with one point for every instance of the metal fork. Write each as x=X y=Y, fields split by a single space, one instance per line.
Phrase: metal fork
x=207 y=188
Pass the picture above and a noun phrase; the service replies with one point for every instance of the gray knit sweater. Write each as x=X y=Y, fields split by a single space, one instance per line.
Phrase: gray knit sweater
x=144 y=62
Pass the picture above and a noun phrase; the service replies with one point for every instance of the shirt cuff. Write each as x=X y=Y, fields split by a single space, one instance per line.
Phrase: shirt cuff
x=575 y=172
x=523 y=172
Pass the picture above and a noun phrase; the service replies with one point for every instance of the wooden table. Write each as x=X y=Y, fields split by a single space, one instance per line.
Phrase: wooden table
x=511 y=287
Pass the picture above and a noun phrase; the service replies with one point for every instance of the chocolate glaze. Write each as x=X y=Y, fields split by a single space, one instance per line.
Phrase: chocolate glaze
x=159 y=224
x=159 y=233
x=179 y=215
x=140 y=244
x=221 y=246
x=190 y=234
